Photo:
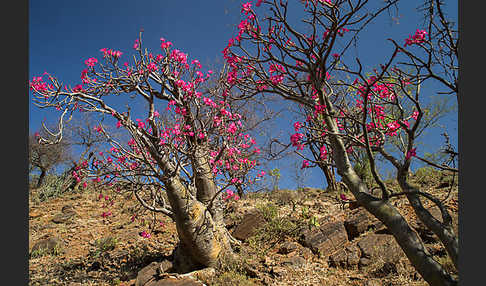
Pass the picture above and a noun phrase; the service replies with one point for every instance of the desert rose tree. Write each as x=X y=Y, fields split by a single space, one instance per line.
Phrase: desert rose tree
x=185 y=152
x=349 y=108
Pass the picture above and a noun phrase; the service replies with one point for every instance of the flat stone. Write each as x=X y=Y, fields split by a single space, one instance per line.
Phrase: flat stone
x=380 y=246
x=348 y=257
x=63 y=217
x=359 y=221
x=147 y=274
x=183 y=281
x=296 y=261
x=248 y=226
x=327 y=239
x=288 y=247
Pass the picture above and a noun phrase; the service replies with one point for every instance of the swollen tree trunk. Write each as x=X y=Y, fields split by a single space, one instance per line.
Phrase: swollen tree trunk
x=203 y=239
x=41 y=178
x=406 y=237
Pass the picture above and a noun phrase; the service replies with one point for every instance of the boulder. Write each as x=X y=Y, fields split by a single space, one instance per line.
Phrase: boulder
x=382 y=247
x=175 y=281
x=287 y=247
x=359 y=221
x=248 y=226
x=295 y=261
x=147 y=274
x=347 y=257
x=64 y=216
x=326 y=239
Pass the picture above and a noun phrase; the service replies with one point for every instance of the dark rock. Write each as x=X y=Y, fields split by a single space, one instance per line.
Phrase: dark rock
x=67 y=209
x=165 y=266
x=346 y=258
x=50 y=245
x=63 y=217
x=339 y=259
x=296 y=261
x=359 y=221
x=147 y=274
x=353 y=256
x=287 y=247
x=96 y=265
x=183 y=281
x=327 y=239
x=248 y=226
x=278 y=271
x=379 y=247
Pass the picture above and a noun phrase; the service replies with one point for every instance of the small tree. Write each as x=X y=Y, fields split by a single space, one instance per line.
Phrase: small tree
x=379 y=112
x=46 y=157
x=184 y=150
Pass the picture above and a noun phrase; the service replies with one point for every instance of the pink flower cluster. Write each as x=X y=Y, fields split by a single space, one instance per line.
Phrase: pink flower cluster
x=417 y=38
x=231 y=194
x=109 y=52
x=305 y=164
x=38 y=84
x=295 y=139
x=145 y=234
x=164 y=45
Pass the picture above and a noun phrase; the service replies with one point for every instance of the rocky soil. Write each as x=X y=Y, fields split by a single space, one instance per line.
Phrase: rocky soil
x=288 y=237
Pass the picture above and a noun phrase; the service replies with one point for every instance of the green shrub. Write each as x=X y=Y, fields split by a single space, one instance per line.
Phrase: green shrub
x=276 y=229
x=46 y=251
x=103 y=245
x=53 y=187
x=427 y=175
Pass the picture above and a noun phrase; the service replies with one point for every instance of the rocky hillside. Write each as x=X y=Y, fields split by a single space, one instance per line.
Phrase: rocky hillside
x=287 y=237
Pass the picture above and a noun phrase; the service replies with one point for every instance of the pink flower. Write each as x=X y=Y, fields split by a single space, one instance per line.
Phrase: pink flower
x=229 y=194
x=232 y=128
x=411 y=153
x=343 y=197
x=415 y=115
x=90 y=62
x=418 y=38
x=106 y=214
x=246 y=7
x=164 y=44
x=323 y=152
x=136 y=44
x=258 y=3
x=152 y=67
x=145 y=234
x=297 y=125
x=305 y=164
x=295 y=138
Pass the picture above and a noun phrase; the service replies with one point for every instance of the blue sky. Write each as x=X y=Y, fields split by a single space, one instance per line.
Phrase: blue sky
x=62 y=34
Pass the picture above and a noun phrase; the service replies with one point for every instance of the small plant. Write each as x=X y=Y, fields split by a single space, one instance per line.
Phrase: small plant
x=115 y=282
x=275 y=174
x=103 y=245
x=427 y=175
x=46 y=251
x=52 y=188
x=276 y=229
